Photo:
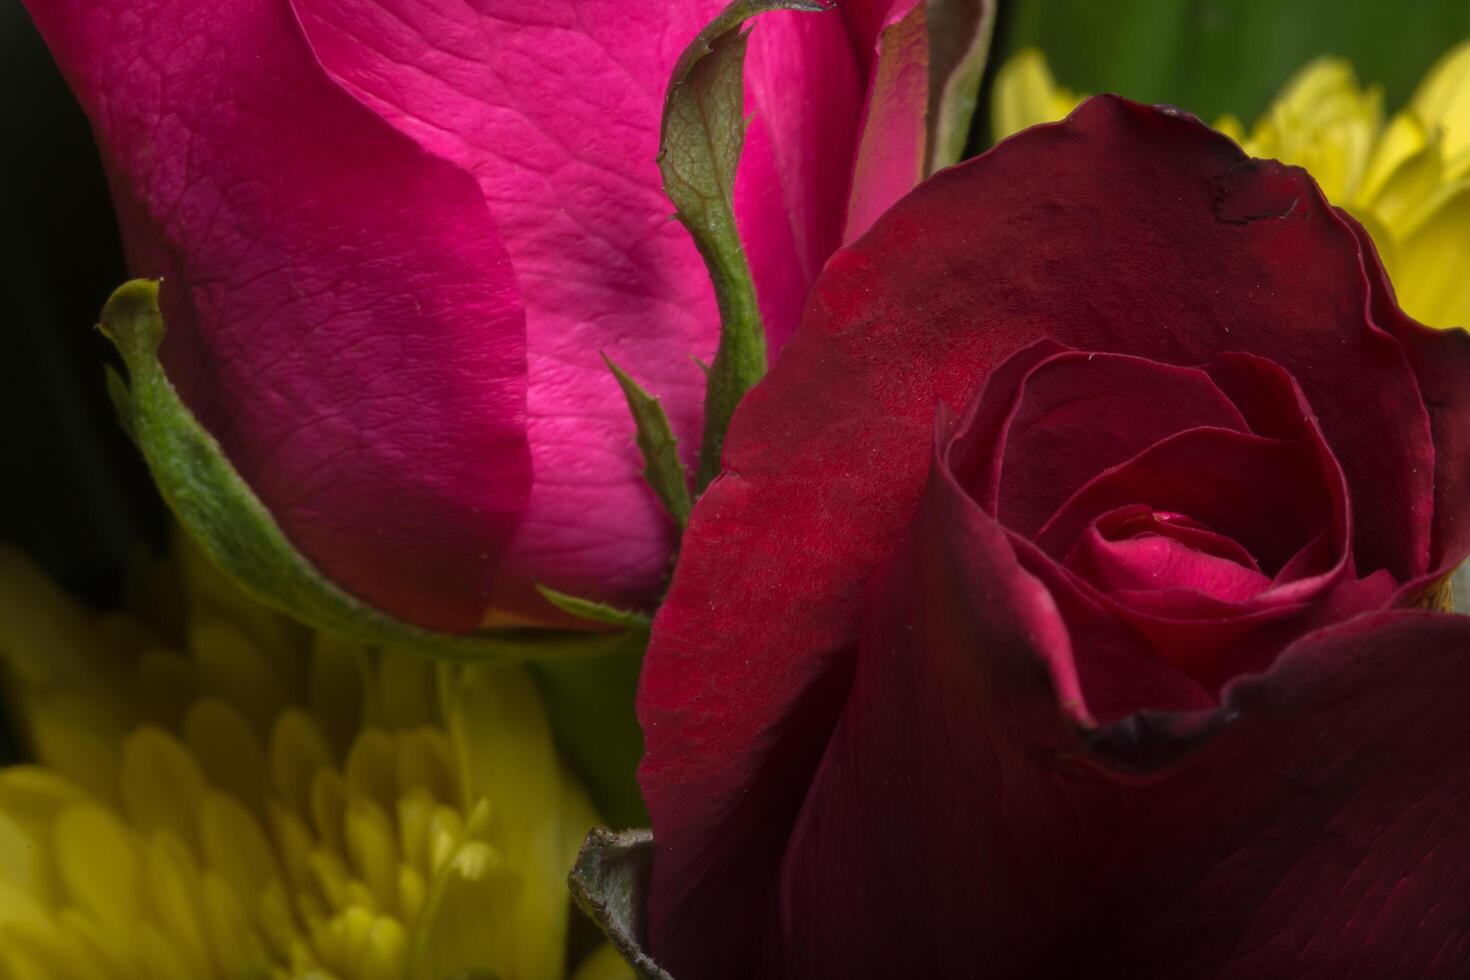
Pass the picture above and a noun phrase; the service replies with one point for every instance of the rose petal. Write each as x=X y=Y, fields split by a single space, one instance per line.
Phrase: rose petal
x=1209 y=638
x=1154 y=562
x=342 y=314
x=569 y=171
x=1135 y=521
x=1080 y=413
x=1441 y=360
x=1283 y=835
x=804 y=85
x=889 y=155
x=1276 y=407
x=1259 y=492
x=1134 y=209
x=1158 y=650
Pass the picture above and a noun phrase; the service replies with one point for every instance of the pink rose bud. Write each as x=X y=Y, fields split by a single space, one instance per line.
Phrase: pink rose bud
x=396 y=236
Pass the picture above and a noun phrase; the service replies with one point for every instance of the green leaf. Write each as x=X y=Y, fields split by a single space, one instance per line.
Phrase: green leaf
x=661 y=466
x=610 y=884
x=959 y=41
x=703 y=131
x=221 y=512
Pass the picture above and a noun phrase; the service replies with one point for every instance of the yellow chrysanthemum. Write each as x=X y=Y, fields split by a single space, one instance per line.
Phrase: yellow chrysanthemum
x=1407 y=180
x=257 y=801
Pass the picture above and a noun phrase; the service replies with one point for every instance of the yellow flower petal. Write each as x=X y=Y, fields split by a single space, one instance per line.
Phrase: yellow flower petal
x=236 y=848
x=373 y=850
x=372 y=768
x=1026 y=94
x=233 y=667
x=26 y=888
x=97 y=857
x=1433 y=264
x=235 y=946
x=162 y=786
x=175 y=891
x=78 y=735
x=168 y=684
x=1401 y=141
x=425 y=762
x=1443 y=102
x=297 y=753
x=228 y=751
x=162 y=959
x=1231 y=126
x=29 y=954
x=604 y=964
x=43 y=631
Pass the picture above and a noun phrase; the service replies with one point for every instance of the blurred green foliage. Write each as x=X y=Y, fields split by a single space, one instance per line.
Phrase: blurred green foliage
x=1217 y=56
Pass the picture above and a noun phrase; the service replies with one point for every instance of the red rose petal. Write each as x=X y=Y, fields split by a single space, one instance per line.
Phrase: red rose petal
x=1154 y=562
x=961 y=825
x=1135 y=521
x=1124 y=228
x=1080 y=413
x=1260 y=492
x=1441 y=361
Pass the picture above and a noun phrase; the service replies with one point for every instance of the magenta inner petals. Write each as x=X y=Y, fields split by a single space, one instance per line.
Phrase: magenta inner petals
x=1152 y=561
x=1193 y=518
x=1261 y=492
x=1124 y=404
x=1138 y=521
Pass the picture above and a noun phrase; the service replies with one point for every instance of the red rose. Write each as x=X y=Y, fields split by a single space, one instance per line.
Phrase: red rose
x=1118 y=675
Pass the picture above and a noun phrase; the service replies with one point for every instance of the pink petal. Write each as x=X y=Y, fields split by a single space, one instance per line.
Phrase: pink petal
x=1153 y=562
x=555 y=107
x=804 y=96
x=342 y=313
x=889 y=159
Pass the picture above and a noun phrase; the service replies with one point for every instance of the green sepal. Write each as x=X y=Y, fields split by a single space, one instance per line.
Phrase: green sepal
x=236 y=530
x=702 y=135
x=610 y=884
x=122 y=401
x=661 y=465
x=592 y=611
x=959 y=44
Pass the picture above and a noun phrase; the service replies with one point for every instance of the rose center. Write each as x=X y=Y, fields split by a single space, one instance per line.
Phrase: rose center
x=1187 y=506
